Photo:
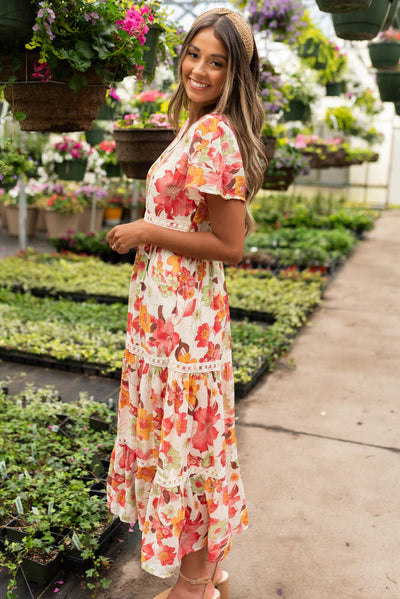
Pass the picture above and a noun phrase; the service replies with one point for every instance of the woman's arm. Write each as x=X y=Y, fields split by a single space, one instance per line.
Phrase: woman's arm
x=224 y=242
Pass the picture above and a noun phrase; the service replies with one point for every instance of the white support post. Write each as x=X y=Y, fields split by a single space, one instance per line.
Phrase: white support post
x=23 y=216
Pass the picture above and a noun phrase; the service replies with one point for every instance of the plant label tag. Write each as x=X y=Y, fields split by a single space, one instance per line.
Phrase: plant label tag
x=76 y=541
x=50 y=507
x=18 y=505
x=21 y=476
x=19 y=403
x=55 y=428
x=26 y=473
x=34 y=428
x=35 y=510
x=3 y=468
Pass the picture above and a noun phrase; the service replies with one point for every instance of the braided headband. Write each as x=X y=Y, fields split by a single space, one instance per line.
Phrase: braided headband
x=240 y=25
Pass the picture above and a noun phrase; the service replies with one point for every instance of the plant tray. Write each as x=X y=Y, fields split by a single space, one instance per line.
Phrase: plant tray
x=40 y=573
x=23 y=357
x=242 y=389
x=72 y=559
x=74 y=296
x=241 y=314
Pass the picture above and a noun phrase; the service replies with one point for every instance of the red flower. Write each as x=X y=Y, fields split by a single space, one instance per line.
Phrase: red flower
x=206 y=432
x=164 y=337
x=171 y=198
x=203 y=334
x=166 y=555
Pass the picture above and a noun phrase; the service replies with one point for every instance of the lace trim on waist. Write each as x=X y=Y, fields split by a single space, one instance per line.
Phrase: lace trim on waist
x=172 y=364
x=175 y=224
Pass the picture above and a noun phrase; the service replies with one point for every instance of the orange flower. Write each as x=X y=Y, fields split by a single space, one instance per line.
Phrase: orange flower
x=191 y=388
x=144 y=424
x=146 y=474
x=240 y=186
x=144 y=319
x=178 y=522
x=234 y=477
x=195 y=175
x=209 y=485
x=175 y=261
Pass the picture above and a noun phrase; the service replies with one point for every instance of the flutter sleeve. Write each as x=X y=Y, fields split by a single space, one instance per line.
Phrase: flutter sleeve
x=214 y=161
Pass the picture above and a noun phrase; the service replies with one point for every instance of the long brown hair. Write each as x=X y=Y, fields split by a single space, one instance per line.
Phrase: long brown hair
x=239 y=101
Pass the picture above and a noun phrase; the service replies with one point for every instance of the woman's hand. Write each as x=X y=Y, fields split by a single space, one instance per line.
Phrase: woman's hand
x=122 y=238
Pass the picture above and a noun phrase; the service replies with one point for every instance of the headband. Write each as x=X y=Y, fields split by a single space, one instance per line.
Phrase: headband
x=240 y=25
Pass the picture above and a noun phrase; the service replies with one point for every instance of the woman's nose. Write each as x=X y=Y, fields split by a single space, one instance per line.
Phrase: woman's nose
x=200 y=67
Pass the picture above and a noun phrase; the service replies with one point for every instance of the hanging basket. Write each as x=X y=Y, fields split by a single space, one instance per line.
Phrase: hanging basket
x=384 y=55
x=310 y=49
x=279 y=180
x=17 y=18
x=388 y=83
x=342 y=6
x=52 y=106
x=71 y=170
x=391 y=15
x=298 y=111
x=137 y=149
x=150 y=55
x=269 y=142
x=361 y=24
x=335 y=88
x=94 y=136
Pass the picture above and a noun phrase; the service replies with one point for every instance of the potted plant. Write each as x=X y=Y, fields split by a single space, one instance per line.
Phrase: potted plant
x=384 y=52
x=92 y=198
x=301 y=88
x=287 y=163
x=72 y=57
x=14 y=161
x=12 y=208
x=283 y=21
x=143 y=135
x=70 y=158
x=272 y=90
x=361 y=24
x=114 y=208
x=108 y=157
x=61 y=210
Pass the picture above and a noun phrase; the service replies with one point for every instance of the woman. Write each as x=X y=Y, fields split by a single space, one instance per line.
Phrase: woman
x=174 y=467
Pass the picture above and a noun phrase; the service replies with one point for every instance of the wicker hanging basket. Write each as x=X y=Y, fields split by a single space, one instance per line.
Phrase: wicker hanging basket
x=51 y=106
x=137 y=149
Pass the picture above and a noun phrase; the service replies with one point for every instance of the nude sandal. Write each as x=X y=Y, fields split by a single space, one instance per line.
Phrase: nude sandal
x=206 y=581
x=222 y=585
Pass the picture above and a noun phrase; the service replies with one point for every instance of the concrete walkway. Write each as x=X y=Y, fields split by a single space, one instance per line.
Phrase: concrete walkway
x=319 y=449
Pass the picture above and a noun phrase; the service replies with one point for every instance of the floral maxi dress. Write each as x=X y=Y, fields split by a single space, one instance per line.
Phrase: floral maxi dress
x=174 y=467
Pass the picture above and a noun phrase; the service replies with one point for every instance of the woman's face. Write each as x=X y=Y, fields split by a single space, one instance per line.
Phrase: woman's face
x=204 y=70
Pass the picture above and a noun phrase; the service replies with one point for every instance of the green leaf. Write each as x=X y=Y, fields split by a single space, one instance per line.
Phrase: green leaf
x=20 y=116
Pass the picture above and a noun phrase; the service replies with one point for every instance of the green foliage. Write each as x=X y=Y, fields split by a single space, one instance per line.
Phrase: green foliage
x=50 y=468
x=320 y=212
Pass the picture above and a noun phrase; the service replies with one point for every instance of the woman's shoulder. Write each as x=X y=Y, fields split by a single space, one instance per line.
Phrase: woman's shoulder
x=214 y=124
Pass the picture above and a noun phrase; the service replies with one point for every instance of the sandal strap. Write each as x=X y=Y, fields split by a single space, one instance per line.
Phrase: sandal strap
x=205 y=580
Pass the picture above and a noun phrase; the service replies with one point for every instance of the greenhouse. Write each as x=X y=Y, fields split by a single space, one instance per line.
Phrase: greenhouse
x=313 y=302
